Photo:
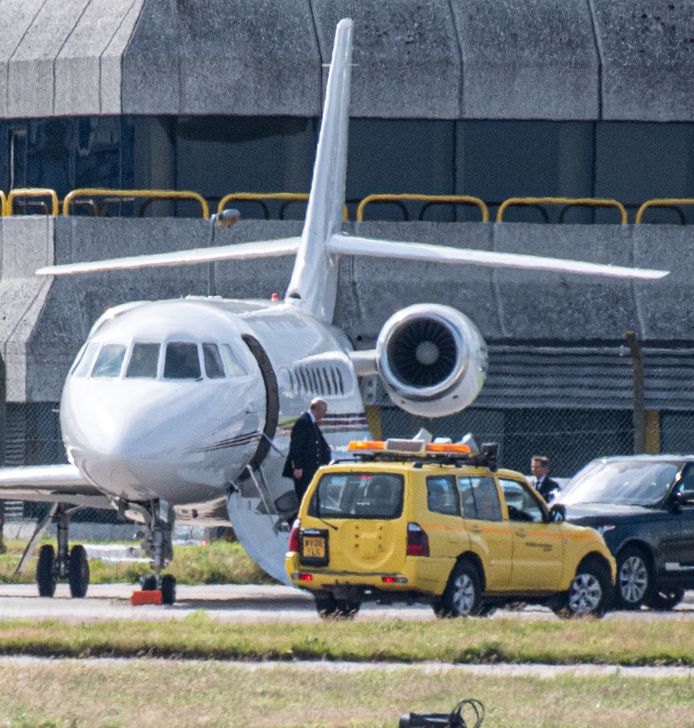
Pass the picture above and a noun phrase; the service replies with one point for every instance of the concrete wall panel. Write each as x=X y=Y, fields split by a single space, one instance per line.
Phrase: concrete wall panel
x=406 y=56
x=16 y=17
x=527 y=59
x=111 y=61
x=666 y=306
x=544 y=306
x=647 y=59
x=150 y=64
x=30 y=88
x=78 y=73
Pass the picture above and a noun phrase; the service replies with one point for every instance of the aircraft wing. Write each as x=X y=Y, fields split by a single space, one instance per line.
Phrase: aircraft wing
x=242 y=251
x=50 y=483
x=349 y=245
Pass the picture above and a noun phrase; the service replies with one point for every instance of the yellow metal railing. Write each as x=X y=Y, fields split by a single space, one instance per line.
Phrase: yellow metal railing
x=430 y=199
x=8 y=203
x=260 y=197
x=566 y=201
x=110 y=195
x=661 y=202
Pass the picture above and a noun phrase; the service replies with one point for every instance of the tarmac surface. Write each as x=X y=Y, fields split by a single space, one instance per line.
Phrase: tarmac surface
x=239 y=603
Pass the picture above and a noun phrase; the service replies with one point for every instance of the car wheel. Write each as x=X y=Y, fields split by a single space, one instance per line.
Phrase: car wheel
x=330 y=608
x=663 y=600
x=463 y=595
x=589 y=593
x=633 y=578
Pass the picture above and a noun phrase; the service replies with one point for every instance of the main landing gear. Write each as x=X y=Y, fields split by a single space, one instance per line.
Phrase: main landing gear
x=158 y=544
x=63 y=564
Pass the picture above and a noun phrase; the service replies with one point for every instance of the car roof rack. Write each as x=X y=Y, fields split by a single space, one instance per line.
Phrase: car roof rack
x=420 y=452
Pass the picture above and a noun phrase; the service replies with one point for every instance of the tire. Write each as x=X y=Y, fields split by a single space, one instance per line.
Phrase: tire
x=168 y=589
x=463 y=595
x=663 y=600
x=78 y=572
x=149 y=583
x=330 y=608
x=634 y=581
x=590 y=592
x=45 y=578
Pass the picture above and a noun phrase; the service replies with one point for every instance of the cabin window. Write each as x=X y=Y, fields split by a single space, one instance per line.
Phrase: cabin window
x=143 y=361
x=232 y=365
x=84 y=361
x=213 y=361
x=109 y=361
x=182 y=361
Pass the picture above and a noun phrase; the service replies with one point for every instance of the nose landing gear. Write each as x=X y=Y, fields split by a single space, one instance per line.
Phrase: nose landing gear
x=158 y=544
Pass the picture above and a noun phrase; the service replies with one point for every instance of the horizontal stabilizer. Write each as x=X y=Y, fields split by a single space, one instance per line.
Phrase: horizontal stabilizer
x=349 y=245
x=241 y=251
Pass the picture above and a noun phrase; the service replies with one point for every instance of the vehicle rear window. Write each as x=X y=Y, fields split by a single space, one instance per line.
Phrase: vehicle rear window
x=442 y=495
x=480 y=498
x=357 y=495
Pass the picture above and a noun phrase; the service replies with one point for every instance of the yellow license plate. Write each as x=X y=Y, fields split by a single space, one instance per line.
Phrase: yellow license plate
x=314 y=547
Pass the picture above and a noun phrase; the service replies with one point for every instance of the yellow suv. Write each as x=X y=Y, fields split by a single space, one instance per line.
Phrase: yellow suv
x=439 y=523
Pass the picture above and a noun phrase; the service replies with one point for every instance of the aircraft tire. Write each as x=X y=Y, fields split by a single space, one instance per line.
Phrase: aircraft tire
x=149 y=583
x=168 y=589
x=78 y=572
x=45 y=578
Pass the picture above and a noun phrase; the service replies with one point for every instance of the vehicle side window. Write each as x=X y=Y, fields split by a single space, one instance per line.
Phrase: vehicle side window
x=480 y=498
x=213 y=362
x=143 y=361
x=521 y=504
x=442 y=495
x=109 y=361
x=233 y=366
x=182 y=361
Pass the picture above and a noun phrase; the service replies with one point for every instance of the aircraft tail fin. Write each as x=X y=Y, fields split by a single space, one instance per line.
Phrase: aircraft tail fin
x=314 y=280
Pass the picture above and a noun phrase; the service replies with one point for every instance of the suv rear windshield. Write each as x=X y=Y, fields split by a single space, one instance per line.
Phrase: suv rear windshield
x=357 y=495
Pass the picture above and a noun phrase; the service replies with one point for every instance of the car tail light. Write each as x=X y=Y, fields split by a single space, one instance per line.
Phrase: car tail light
x=303 y=576
x=294 y=537
x=417 y=540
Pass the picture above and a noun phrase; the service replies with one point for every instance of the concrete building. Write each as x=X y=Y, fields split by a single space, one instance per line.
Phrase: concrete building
x=578 y=98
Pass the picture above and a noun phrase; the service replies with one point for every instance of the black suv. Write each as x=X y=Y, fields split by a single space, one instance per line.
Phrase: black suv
x=643 y=505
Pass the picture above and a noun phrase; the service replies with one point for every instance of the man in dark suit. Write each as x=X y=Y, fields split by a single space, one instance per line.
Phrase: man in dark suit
x=539 y=465
x=308 y=449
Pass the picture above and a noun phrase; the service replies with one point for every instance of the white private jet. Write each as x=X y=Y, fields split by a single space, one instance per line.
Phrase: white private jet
x=180 y=410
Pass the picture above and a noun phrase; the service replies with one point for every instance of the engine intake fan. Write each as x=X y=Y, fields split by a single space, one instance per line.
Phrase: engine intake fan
x=432 y=359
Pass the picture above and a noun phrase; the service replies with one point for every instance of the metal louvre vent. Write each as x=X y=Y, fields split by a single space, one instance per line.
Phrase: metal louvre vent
x=318 y=380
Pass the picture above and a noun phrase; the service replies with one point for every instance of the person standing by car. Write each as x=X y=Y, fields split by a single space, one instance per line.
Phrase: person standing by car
x=544 y=485
x=308 y=449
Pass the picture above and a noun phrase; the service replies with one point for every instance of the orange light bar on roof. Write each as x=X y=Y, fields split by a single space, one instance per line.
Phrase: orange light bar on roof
x=448 y=448
x=357 y=445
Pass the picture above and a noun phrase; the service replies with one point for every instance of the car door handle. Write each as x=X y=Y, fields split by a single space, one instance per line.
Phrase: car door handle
x=521 y=532
x=475 y=529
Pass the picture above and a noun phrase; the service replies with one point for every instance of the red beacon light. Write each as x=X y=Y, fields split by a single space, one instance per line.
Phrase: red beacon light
x=275 y=297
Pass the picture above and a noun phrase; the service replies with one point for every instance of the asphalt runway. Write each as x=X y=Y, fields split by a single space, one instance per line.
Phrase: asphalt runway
x=239 y=603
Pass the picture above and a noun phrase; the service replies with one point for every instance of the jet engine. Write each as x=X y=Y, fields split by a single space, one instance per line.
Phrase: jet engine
x=432 y=359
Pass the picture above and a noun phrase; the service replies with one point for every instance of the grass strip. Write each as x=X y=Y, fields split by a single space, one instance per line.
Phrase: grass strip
x=473 y=641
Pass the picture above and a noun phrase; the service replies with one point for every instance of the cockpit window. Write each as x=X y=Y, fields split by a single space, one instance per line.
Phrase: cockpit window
x=232 y=365
x=84 y=362
x=109 y=361
x=182 y=361
x=143 y=361
x=213 y=362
